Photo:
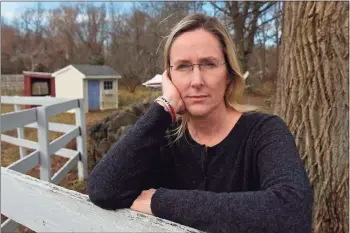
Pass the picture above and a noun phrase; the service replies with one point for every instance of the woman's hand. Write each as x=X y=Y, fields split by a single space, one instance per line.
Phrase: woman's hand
x=143 y=202
x=171 y=93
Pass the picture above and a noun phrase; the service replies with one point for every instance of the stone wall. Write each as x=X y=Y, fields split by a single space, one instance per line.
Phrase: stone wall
x=108 y=131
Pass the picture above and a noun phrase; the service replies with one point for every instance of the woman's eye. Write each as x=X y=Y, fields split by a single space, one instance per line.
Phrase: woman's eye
x=209 y=65
x=182 y=67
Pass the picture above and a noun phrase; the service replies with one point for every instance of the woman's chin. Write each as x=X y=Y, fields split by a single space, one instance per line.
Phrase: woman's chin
x=198 y=110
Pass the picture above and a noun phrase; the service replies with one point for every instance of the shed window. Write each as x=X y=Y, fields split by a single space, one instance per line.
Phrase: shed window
x=108 y=85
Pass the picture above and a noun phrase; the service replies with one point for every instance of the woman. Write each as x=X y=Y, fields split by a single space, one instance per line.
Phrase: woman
x=220 y=167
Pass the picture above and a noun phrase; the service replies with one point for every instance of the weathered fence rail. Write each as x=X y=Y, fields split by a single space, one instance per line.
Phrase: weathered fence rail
x=45 y=207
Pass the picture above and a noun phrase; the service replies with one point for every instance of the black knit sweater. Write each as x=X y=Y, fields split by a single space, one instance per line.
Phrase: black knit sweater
x=253 y=181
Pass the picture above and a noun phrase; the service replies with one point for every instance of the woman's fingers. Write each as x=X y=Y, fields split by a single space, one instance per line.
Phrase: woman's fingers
x=171 y=93
x=143 y=202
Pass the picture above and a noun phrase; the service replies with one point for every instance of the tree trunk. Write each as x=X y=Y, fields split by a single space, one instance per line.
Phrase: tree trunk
x=312 y=97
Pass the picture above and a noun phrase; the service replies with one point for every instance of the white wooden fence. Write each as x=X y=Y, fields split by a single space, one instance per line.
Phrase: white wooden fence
x=43 y=149
x=42 y=205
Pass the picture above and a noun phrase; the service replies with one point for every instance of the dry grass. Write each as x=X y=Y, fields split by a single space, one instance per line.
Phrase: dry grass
x=12 y=92
x=141 y=93
x=263 y=89
x=5 y=108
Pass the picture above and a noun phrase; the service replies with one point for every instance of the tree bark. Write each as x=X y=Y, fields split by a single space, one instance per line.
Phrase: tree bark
x=312 y=97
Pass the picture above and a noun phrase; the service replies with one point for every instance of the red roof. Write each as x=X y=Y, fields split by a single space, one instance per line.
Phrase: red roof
x=37 y=74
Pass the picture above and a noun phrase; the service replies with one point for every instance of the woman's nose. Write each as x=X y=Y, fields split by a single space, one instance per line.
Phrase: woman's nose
x=196 y=79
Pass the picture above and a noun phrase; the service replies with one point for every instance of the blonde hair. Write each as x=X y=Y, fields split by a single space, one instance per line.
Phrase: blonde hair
x=234 y=92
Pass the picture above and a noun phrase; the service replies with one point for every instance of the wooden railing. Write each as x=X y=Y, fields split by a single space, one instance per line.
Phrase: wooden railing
x=38 y=118
x=45 y=207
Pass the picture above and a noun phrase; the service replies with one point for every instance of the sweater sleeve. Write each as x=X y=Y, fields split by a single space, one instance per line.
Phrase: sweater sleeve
x=282 y=204
x=132 y=164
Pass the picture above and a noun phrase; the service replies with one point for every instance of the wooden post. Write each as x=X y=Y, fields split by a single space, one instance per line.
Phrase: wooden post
x=43 y=137
x=20 y=134
x=81 y=141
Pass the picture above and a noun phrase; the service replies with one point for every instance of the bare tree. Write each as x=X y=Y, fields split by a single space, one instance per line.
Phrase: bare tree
x=92 y=31
x=9 y=37
x=242 y=18
x=312 y=97
x=278 y=29
x=133 y=57
x=31 y=47
x=63 y=27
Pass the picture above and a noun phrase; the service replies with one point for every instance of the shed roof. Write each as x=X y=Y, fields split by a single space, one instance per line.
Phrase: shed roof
x=95 y=70
x=37 y=74
x=156 y=81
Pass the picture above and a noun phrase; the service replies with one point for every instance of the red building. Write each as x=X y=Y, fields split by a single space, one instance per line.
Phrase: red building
x=38 y=84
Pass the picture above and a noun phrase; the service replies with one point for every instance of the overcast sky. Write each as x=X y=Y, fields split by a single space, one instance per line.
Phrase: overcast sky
x=9 y=10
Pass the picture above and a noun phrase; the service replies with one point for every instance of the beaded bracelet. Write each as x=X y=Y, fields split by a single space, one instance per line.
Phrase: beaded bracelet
x=168 y=106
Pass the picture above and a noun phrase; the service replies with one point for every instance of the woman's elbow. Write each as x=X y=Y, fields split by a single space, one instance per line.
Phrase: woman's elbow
x=296 y=216
x=100 y=198
x=107 y=197
x=307 y=206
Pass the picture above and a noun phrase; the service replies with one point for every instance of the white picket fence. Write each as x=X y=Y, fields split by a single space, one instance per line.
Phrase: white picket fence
x=42 y=205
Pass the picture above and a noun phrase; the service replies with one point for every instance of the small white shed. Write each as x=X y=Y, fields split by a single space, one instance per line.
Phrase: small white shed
x=155 y=82
x=96 y=84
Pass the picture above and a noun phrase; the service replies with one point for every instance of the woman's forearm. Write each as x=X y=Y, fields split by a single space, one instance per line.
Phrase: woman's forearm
x=279 y=209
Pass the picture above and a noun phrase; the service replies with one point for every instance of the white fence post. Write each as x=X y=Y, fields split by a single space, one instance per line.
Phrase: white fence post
x=20 y=134
x=43 y=138
x=81 y=141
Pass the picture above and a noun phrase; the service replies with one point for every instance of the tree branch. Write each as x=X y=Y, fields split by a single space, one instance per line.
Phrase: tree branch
x=267 y=7
x=269 y=20
x=258 y=11
x=246 y=8
x=219 y=8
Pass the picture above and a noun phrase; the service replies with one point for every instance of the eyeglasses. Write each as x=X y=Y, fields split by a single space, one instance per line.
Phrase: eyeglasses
x=186 y=68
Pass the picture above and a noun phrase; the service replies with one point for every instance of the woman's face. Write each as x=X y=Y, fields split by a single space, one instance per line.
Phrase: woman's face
x=202 y=89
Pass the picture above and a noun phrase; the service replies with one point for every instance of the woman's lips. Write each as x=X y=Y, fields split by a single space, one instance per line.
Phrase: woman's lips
x=198 y=97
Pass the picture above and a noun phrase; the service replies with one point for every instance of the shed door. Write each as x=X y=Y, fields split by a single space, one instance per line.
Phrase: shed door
x=94 y=94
